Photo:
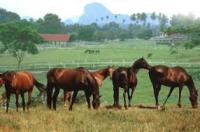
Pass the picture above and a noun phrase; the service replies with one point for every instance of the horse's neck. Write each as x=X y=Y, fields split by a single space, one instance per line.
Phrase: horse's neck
x=101 y=74
x=134 y=69
x=191 y=86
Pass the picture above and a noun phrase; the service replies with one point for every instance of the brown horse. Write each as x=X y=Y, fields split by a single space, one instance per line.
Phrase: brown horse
x=72 y=80
x=172 y=77
x=125 y=77
x=99 y=76
x=19 y=83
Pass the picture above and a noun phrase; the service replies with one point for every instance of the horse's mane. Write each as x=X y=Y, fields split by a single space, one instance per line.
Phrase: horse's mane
x=9 y=72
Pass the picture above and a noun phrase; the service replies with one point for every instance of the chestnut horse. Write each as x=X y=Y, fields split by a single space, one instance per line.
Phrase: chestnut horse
x=125 y=77
x=19 y=83
x=172 y=77
x=72 y=80
x=99 y=75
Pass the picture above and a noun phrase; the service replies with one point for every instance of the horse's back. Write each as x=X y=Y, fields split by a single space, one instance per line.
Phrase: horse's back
x=22 y=80
x=169 y=75
x=120 y=77
x=67 y=77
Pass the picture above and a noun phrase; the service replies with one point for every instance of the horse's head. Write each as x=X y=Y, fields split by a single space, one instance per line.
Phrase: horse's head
x=7 y=76
x=96 y=102
x=141 y=63
x=193 y=98
x=110 y=70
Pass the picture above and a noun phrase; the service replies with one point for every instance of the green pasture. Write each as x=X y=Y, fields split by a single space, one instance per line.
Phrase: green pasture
x=109 y=51
x=129 y=50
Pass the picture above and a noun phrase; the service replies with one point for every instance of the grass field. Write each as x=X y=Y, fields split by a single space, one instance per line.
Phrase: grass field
x=39 y=118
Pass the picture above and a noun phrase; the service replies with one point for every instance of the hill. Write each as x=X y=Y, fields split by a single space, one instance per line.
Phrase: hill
x=98 y=13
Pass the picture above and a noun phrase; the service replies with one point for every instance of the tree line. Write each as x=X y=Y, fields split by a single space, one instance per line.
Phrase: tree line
x=19 y=36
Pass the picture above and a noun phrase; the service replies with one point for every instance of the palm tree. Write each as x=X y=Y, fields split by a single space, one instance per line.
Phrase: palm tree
x=153 y=16
x=133 y=17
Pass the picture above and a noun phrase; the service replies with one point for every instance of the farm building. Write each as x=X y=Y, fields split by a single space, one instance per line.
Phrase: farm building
x=170 y=39
x=56 y=39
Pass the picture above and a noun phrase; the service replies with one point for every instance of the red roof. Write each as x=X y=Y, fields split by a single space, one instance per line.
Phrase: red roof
x=55 y=37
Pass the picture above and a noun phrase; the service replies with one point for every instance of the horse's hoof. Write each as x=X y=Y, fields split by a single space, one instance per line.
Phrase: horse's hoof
x=125 y=107
x=129 y=105
x=179 y=105
x=162 y=108
x=159 y=107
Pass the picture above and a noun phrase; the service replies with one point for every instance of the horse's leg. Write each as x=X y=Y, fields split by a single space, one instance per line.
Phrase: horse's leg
x=8 y=99
x=130 y=95
x=124 y=95
x=172 y=88
x=64 y=97
x=116 y=96
x=55 y=97
x=49 y=94
x=29 y=99
x=87 y=95
x=73 y=99
x=23 y=101
x=17 y=103
x=156 y=88
x=179 y=98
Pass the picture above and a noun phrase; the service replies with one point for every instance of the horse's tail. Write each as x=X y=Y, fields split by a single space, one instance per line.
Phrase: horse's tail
x=41 y=87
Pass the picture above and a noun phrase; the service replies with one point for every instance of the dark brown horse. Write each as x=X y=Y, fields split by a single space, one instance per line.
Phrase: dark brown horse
x=19 y=83
x=125 y=77
x=172 y=77
x=99 y=76
x=72 y=80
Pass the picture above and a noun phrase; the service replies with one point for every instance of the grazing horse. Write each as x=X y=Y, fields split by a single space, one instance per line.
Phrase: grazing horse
x=172 y=77
x=72 y=80
x=99 y=76
x=89 y=51
x=19 y=83
x=125 y=77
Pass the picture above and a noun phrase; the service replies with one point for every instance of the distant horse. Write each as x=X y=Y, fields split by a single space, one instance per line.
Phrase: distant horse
x=72 y=80
x=19 y=83
x=99 y=76
x=90 y=51
x=172 y=77
x=125 y=77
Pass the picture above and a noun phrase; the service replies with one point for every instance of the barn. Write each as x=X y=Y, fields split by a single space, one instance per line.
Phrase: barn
x=55 y=40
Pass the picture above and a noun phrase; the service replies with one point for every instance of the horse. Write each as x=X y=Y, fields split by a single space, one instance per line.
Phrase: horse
x=90 y=51
x=99 y=75
x=125 y=77
x=72 y=80
x=19 y=83
x=172 y=77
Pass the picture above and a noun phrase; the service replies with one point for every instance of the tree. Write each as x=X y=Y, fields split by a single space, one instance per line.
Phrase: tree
x=133 y=17
x=153 y=16
x=163 y=21
x=6 y=16
x=19 y=38
x=188 y=26
x=51 y=23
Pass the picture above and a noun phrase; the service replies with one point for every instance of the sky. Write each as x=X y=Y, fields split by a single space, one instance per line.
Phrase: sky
x=73 y=8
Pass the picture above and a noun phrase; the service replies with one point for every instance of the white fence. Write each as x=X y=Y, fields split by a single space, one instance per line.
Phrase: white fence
x=92 y=65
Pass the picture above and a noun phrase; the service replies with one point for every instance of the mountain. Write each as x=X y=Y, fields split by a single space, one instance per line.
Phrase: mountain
x=97 y=13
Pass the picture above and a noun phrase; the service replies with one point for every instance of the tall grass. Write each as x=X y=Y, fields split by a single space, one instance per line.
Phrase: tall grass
x=82 y=119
